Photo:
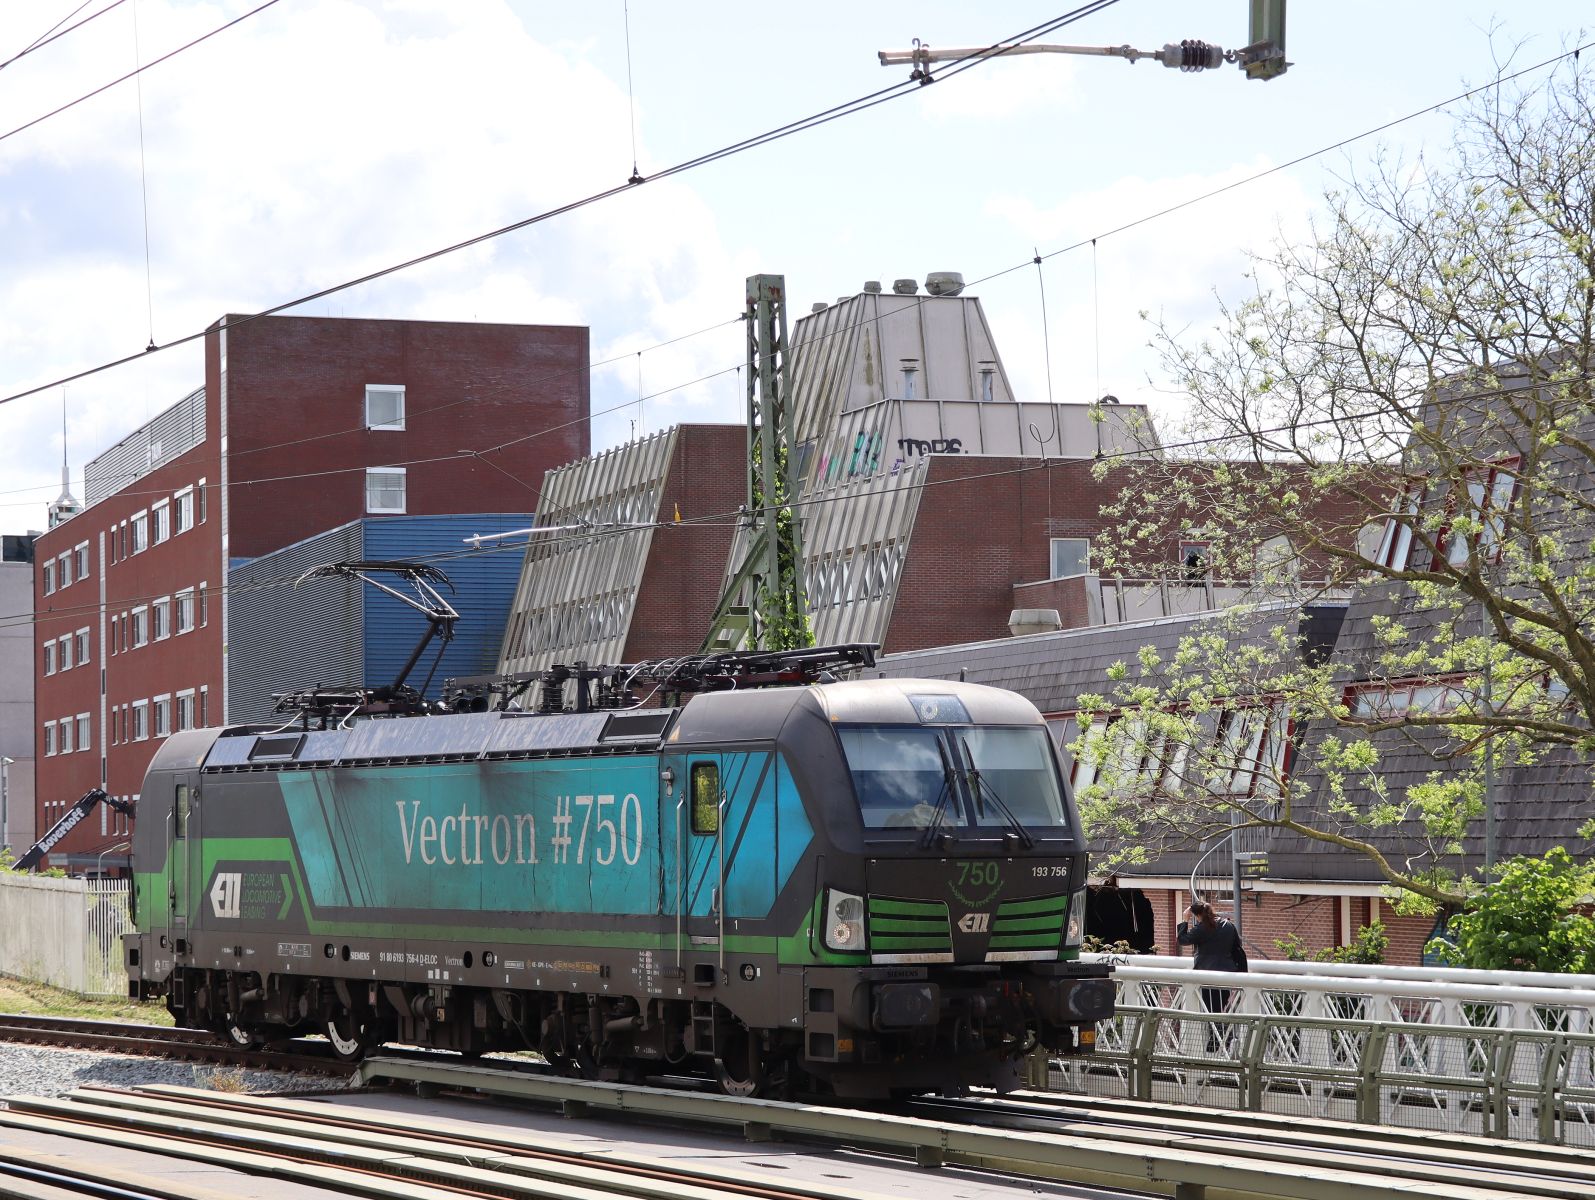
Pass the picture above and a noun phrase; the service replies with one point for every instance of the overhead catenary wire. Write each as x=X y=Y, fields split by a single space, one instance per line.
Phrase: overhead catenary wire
x=55 y=31
x=987 y=278
x=847 y=108
x=994 y=275
x=736 y=517
x=105 y=87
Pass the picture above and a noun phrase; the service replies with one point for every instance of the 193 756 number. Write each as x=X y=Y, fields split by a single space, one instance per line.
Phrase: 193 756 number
x=1052 y=872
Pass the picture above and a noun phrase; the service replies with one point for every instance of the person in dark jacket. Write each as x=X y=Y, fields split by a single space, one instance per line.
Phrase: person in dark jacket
x=1217 y=944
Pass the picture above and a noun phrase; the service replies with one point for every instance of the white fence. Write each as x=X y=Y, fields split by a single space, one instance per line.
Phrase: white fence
x=64 y=932
x=1494 y=1053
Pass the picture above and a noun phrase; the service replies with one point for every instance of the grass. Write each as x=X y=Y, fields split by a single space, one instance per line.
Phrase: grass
x=21 y=996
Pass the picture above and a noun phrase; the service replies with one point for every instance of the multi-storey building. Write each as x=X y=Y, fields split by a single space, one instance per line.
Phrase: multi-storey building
x=16 y=691
x=303 y=424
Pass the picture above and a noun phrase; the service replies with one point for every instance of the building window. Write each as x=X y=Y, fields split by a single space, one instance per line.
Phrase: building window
x=161 y=619
x=63 y=571
x=1195 y=561
x=183 y=714
x=204 y=604
x=204 y=707
x=1421 y=697
x=63 y=654
x=385 y=490
x=49 y=658
x=161 y=707
x=49 y=578
x=64 y=736
x=140 y=618
x=85 y=737
x=138 y=523
x=199 y=501
x=183 y=511
x=183 y=611
x=115 y=622
x=80 y=561
x=82 y=647
x=1070 y=556
x=141 y=720
x=160 y=522
x=49 y=739
x=384 y=406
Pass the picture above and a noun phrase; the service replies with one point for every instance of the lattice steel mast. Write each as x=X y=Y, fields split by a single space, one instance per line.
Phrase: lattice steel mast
x=763 y=605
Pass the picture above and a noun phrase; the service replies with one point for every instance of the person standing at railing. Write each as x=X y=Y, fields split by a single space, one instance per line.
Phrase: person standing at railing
x=1217 y=946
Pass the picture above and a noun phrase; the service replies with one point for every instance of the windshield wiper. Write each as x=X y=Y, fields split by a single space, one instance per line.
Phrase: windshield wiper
x=980 y=788
x=933 y=831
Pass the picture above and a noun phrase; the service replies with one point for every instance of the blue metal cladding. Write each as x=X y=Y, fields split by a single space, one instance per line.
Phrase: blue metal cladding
x=484 y=586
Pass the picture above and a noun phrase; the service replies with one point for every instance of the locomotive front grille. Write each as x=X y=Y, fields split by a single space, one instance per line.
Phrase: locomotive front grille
x=909 y=930
x=1023 y=929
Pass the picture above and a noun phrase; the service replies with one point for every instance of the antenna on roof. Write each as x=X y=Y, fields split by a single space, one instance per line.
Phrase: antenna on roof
x=66 y=504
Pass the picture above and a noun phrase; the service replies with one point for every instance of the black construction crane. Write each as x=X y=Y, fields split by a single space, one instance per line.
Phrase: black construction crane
x=69 y=821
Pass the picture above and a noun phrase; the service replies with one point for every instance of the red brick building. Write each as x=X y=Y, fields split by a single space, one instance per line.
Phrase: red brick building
x=304 y=423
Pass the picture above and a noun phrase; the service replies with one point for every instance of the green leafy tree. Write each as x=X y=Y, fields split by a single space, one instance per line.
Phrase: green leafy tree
x=1403 y=404
x=1535 y=918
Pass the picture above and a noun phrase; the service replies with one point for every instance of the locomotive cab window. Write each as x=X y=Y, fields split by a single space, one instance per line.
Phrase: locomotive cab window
x=705 y=798
x=180 y=811
x=981 y=776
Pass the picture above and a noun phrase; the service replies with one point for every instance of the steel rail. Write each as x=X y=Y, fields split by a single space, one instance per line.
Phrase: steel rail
x=191 y=1045
x=417 y=1161
x=1095 y=1157
x=1570 y=1173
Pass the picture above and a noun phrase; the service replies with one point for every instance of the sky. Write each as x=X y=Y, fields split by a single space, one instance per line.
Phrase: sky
x=319 y=140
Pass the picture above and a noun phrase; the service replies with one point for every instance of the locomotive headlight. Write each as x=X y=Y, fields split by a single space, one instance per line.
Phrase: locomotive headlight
x=844 y=921
x=1074 y=931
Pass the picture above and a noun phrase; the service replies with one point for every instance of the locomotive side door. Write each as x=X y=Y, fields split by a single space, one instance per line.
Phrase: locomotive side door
x=182 y=853
x=691 y=820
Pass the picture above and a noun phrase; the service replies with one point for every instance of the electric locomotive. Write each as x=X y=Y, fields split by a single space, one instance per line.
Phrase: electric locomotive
x=863 y=888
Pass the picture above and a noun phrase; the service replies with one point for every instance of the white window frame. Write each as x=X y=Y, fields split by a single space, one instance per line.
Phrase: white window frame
x=161 y=715
x=392 y=390
x=183 y=711
x=202 y=712
x=139 y=522
x=63 y=740
x=160 y=521
x=85 y=733
x=63 y=570
x=63 y=653
x=140 y=633
x=80 y=561
x=161 y=619
x=182 y=511
x=372 y=472
x=202 y=605
x=141 y=721
x=1052 y=556
x=49 y=577
x=49 y=657
x=80 y=646
x=183 y=601
x=49 y=739
x=199 y=503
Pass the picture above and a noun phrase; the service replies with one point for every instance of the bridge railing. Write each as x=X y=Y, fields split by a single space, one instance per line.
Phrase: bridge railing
x=1468 y=1056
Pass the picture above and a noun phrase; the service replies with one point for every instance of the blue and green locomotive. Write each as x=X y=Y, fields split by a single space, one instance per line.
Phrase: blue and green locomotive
x=869 y=887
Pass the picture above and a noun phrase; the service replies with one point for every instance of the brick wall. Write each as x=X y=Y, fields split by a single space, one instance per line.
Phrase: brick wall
x=686 y=565
x=1315 y=919
x=296 y=418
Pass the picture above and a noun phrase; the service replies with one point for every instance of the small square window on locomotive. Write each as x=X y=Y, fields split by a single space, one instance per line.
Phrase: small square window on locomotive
x=705 y=797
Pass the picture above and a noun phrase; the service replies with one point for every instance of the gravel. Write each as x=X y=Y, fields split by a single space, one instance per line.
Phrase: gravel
x=27 y=1070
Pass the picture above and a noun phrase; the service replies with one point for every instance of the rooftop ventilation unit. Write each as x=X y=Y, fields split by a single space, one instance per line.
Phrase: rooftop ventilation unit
x=944 y=283
x=905 y=287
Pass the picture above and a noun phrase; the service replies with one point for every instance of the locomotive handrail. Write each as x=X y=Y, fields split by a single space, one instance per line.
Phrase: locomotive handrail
x=681 y=871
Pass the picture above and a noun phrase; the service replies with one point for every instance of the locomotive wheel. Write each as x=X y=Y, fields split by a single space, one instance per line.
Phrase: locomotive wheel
x=738 y=1069
x=238 y=1035
x=349 y=1035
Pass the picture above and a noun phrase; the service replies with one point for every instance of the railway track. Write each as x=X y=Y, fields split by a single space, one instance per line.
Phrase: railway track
x=161 y=1041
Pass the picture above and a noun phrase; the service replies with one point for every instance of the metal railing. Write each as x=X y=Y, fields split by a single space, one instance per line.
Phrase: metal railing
x=1490 y=1059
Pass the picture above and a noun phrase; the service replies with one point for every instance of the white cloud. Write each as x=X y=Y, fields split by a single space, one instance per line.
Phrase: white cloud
x=309 y=144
